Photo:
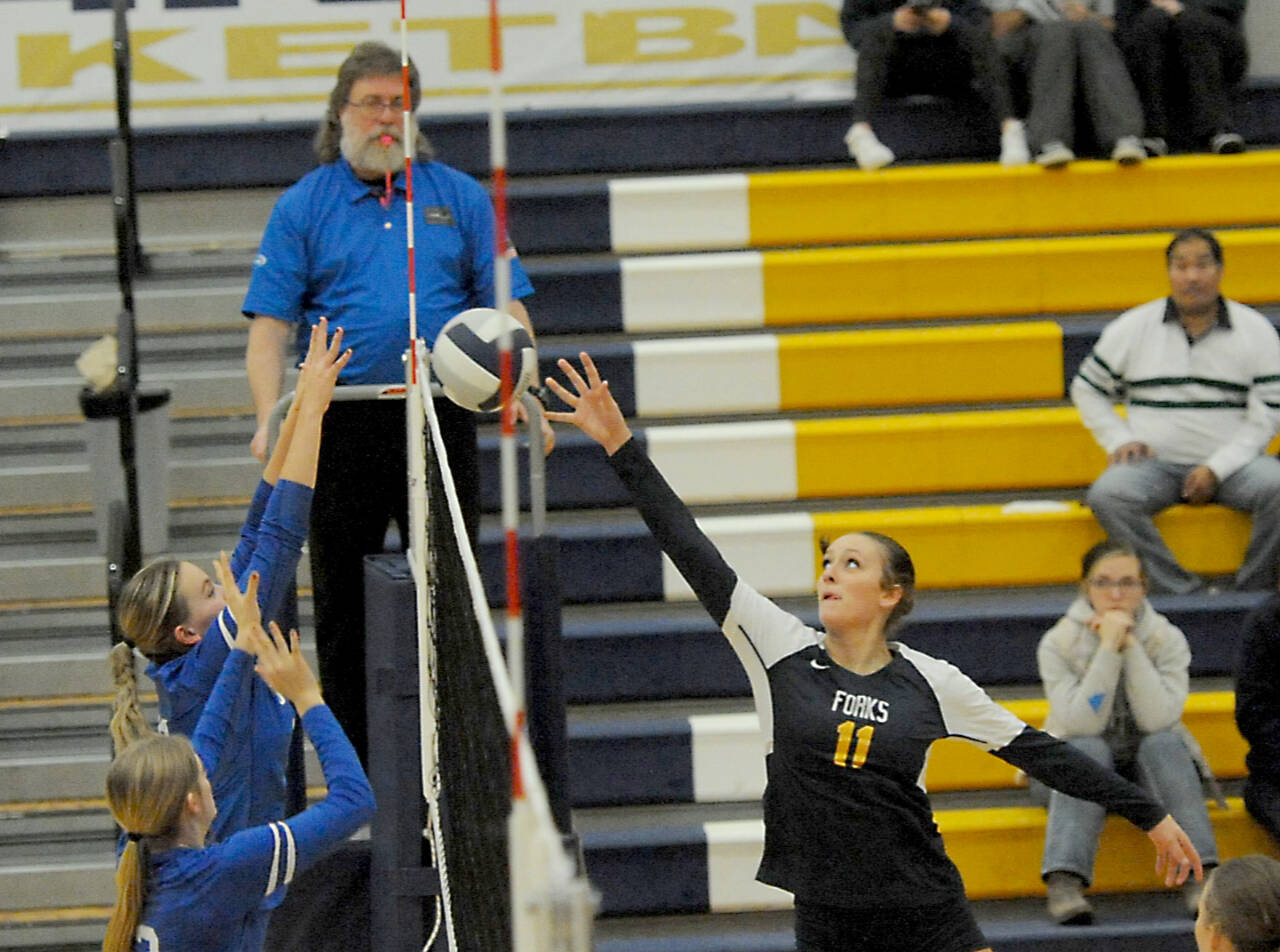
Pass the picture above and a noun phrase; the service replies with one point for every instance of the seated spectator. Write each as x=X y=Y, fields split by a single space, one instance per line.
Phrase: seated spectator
x=924 y=47
x=1258 y=713
x=1240 y=911
x=1061 y=49
x=1115 y=672
x=1191 y=52
x=1200 y=378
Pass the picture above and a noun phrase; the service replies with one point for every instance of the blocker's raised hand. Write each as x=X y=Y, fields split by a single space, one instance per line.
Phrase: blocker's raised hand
x=595 y=412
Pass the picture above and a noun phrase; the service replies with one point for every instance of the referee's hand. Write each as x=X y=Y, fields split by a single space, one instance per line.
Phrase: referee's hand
x=1175 y=856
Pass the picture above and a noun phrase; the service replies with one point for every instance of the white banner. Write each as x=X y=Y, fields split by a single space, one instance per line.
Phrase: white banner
x=204 y=62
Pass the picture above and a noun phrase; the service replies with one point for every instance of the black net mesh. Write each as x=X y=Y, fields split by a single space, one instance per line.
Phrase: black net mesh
x=474 y=752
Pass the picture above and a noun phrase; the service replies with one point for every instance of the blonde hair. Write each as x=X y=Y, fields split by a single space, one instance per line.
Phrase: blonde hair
x=147 y=787
x=151 y=607
x=128 y=724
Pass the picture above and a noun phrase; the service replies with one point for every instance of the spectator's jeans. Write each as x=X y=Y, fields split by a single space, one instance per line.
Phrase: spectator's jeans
x=1164 y=768
x=960 y=63
x=1262 y=799
x=1062 y=59
x=1198 y=53
x=1127 y=496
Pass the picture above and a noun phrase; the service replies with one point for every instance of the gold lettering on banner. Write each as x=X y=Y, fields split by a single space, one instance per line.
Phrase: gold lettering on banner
x=617 y=36
x=45 y=60
x=468 y=37
x=255 y=52
x=778 y=27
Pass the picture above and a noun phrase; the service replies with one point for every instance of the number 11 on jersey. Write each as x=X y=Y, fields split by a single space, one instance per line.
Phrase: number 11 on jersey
x=846 y=736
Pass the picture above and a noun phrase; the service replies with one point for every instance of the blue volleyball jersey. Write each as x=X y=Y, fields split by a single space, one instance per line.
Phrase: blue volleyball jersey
x=217 y=899
x=249 y=779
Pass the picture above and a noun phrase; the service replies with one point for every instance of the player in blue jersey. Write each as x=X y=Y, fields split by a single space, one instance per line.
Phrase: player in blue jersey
x=176 y=615
x=848 y=717
x=173 y=891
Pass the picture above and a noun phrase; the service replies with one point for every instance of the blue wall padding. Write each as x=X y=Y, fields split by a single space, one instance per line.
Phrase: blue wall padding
x=991 y=636
x=587 y=142
x=649 y=871
x=631 y=762
x=678 y=654
x=559 y=218
x=578 y=474
x=576 y=297
x=635 y=563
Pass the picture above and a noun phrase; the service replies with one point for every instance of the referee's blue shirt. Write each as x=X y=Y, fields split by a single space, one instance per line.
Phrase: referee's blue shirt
x=333 y=249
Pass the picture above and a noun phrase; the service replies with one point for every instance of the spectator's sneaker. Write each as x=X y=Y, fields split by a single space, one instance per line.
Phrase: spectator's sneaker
x=1013 y=145
x=1067 y=905
x=1227 y=143
x=1155 y=146
x=1128 y=151
x=1054 y=155
x=868 y=151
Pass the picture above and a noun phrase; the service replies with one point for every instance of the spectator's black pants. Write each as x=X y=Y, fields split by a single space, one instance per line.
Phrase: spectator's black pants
x=1194 y=56
x=1262 y=799
x=360 y=487
x=959 y=64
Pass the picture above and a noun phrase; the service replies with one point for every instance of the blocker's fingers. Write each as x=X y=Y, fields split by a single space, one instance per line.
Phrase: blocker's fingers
x=335 y=344
x=571 y=372
x=277 y=637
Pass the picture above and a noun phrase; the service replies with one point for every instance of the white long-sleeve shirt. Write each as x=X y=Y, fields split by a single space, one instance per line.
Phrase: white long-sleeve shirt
x=1214 y=401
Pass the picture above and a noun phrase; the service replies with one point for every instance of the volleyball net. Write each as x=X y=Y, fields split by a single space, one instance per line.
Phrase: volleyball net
x=507 y=880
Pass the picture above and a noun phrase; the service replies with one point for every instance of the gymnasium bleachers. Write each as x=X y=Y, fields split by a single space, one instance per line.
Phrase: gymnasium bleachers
x=804 y=351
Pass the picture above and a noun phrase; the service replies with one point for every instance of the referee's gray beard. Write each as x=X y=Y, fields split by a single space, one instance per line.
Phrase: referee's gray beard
x=368 y=154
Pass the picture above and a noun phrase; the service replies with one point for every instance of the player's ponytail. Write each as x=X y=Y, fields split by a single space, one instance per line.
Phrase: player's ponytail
x=127 y=721
x=1242 y=903
x=147 y=788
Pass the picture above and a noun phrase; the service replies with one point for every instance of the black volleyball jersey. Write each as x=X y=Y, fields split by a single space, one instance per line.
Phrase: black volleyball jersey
x=846 y=818
x=847 y=821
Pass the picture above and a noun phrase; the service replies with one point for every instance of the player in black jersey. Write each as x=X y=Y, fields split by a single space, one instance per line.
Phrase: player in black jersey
x=848 y=717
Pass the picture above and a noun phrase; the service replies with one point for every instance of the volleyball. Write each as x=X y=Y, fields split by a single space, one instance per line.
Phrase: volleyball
x=465 y=358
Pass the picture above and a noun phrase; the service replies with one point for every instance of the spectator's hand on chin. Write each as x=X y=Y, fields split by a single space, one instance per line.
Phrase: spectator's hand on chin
x=937 y=20
x=906 y=20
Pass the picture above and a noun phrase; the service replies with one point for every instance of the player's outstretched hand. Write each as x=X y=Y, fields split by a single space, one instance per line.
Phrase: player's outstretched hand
x=324 y=361
x=242 y=605
x=595 y=412
x=286 y=671
x=1175 y=856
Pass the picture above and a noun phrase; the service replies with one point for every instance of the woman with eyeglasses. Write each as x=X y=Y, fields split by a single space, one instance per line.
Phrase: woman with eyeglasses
x=1115 y=672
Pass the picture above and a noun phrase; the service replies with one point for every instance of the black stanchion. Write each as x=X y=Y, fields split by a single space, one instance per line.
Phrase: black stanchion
x=401 y=884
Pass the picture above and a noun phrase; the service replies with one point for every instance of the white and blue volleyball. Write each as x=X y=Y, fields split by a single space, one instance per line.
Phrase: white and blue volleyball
x=465 y=358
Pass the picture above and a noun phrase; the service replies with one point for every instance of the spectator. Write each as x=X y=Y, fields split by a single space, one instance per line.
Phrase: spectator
x=1200 y=377
x=1240 y=911
x=1061 y=49
x=1190 y=50
x=1258 y=713
x=1115 y=672
x=933 y=47
x=335 y=246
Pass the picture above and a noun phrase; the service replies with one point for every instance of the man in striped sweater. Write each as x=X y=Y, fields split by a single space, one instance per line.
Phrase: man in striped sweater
x=1199 y=376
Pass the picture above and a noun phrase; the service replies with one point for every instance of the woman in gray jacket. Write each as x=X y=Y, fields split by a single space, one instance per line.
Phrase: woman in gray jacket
x=1115 y=672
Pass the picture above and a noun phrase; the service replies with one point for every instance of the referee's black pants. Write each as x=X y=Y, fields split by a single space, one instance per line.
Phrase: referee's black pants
x=361 y=486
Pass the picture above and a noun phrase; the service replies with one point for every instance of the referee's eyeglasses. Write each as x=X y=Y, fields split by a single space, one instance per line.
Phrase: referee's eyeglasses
x=372 y=107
